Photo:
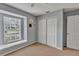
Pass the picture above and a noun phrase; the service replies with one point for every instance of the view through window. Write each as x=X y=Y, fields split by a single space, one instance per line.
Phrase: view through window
x=12 y=29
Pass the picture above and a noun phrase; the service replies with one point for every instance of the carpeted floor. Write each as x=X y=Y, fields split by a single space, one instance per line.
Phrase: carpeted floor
x=43 y=50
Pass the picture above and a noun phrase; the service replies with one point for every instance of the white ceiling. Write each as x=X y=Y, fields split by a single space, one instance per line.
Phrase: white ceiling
x=41 y=8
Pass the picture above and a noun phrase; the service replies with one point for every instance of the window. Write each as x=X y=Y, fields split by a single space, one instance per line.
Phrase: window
x=12 y=29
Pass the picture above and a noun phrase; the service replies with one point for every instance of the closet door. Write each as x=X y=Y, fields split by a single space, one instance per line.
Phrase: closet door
x=73 y=32
x=42 y=31
x=52 y=31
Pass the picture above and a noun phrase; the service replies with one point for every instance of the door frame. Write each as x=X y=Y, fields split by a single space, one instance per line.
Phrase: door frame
x=75 y=12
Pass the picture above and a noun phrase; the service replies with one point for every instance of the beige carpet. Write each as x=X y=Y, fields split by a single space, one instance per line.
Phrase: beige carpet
x=43 y=50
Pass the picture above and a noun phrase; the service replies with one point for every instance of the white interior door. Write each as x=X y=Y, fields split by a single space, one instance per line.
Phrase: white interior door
x=52 y=32
x=42 y=31
x=73 y=32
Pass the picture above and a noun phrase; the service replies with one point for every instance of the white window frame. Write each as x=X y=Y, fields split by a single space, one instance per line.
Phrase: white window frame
x=25 y=28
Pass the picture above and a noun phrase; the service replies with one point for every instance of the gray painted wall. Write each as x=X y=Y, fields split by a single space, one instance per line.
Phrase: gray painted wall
x=60 y=33
x=31 y=32
x=1 y=29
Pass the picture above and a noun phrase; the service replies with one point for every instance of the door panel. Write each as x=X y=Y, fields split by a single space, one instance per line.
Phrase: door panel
x=42 y=31
x=52 y=32
x=73 y=32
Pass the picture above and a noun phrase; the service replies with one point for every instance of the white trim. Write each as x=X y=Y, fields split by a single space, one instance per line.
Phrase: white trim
x=11 y=44
x=25 y=30
x=10 y=13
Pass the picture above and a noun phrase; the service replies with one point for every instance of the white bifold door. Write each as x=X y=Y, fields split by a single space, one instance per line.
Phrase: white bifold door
x=52 y=31
x=47 y=31
x=42 y=31
x=73 y=32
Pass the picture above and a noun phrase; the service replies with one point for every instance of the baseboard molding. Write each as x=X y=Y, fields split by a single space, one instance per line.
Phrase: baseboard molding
x=13 y=50
x=50 y=46
x=42 y=43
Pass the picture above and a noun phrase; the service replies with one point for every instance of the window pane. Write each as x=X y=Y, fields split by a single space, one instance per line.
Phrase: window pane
x=12 y=29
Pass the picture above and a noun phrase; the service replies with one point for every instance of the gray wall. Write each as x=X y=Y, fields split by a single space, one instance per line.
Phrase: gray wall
x=1 y=30
x=60 y=21
x=31 y=32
